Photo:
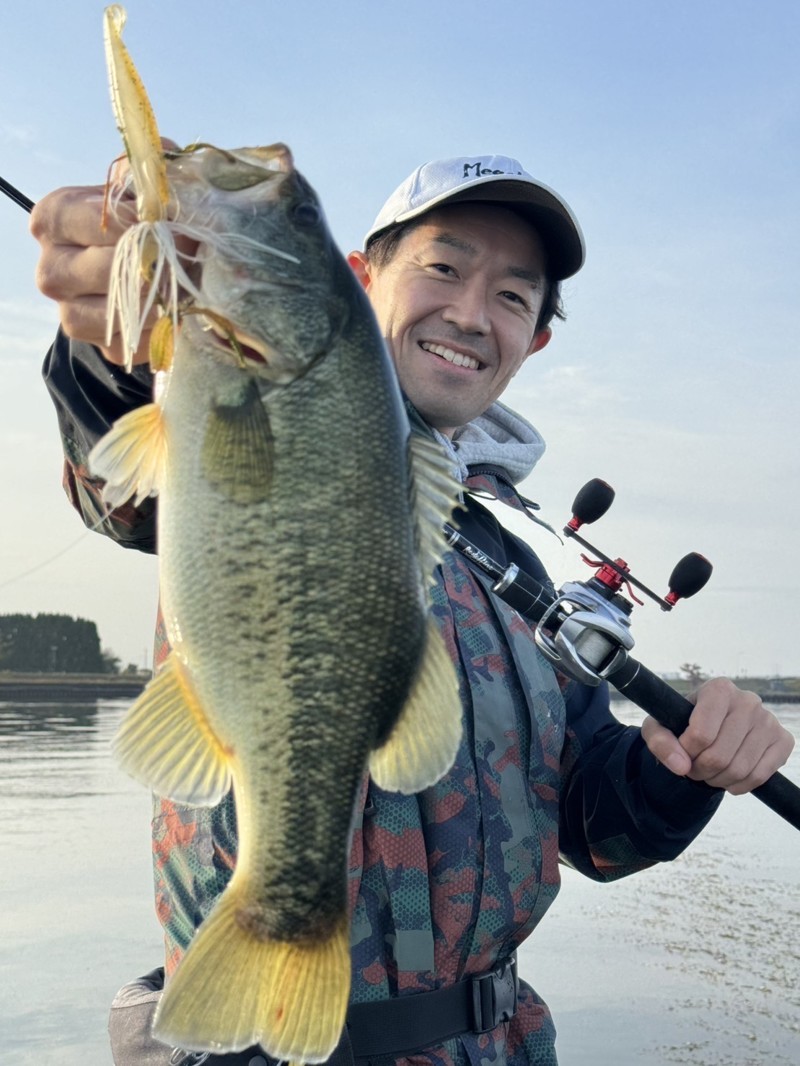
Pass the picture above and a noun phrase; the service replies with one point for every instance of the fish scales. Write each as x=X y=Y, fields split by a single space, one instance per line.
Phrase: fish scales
x=298 y=522
x=333 y=629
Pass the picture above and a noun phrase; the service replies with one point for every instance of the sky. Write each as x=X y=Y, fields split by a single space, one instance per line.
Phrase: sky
x=671 y=129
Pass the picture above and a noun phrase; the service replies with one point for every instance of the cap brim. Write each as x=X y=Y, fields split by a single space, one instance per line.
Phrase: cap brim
x=553 y=220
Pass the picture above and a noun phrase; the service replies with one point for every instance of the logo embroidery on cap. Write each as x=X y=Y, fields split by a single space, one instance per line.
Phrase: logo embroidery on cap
x=475 y=170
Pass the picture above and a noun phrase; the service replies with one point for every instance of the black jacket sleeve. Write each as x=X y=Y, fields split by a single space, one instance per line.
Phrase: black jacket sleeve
x=620 y=810
x=89 y=396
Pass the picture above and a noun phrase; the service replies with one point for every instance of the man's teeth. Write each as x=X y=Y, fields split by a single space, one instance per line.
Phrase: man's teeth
x=458 y=358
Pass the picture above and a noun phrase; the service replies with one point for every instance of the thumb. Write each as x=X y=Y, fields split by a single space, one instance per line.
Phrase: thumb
x=665 y=747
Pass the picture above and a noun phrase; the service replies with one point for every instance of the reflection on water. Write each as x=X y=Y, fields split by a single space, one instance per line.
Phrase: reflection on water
x=47 y=751
x=76 y=913
x=695 y=962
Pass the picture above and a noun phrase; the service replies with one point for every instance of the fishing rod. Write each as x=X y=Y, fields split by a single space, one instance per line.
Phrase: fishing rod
x=14 y=194
x=584 y=629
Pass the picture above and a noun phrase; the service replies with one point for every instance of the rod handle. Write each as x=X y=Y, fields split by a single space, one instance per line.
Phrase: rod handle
x=651 y=692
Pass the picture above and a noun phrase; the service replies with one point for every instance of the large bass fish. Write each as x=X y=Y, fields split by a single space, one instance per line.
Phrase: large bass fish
x=298 y=524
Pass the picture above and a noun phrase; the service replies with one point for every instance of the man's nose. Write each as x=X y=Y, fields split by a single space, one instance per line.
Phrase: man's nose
x=468 y=309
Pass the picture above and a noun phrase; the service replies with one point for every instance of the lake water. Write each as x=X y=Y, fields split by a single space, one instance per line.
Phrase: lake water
x=696 y=962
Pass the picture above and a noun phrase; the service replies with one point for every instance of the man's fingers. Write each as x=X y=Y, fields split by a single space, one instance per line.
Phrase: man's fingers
x=72 y=272
x=732 y=741
x=771 y=760
x=85 y=320
x=74 y=216
x=765 y=748
x=665 y=747
x=721 y=711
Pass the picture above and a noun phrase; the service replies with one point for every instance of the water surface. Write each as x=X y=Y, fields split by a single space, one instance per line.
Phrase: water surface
x=696 y=962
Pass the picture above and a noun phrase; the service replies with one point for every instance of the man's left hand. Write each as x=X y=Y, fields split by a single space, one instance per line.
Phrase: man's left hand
x=732 y=741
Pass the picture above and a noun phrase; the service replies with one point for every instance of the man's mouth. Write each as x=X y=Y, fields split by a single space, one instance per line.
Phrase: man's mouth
x=451 y=356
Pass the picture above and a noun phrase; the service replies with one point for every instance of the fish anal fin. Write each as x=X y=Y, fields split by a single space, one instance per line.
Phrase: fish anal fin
x=131 y=457
x=238 y=449
x=289 y=997
x=423 y=744
x=166 y=742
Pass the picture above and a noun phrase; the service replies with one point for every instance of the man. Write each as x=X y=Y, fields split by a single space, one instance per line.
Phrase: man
x=462 y=267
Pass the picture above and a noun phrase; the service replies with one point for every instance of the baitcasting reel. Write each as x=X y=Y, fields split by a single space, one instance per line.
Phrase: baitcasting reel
x=585 y=632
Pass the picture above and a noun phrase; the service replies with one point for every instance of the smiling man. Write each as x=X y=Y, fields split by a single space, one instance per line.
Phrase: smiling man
x=459 y=302
x=462 y=267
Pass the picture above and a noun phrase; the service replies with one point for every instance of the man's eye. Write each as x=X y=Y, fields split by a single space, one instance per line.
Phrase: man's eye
x=515 y=297
x=442 y=268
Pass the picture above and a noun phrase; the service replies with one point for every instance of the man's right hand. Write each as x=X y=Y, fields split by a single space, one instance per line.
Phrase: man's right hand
x=74 y=267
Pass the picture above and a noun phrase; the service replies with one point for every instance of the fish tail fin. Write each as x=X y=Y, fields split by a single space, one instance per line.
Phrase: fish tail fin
x=424 y=742
x=235 y=988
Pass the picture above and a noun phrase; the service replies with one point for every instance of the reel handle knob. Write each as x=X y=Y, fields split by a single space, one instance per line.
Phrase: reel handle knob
x=591 y=503
x=690 y=575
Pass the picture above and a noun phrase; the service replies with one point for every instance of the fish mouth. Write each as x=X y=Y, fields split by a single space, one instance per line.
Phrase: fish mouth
x=243 y=347
x=452 y=355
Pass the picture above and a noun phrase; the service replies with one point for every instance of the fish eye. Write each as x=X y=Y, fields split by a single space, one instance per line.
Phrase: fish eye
x=306 y=213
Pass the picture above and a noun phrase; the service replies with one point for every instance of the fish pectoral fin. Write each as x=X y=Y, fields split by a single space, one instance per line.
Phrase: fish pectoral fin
x=238 y=449
x=131 y=457
x=423 y=744
x=166 y=742
x=235 y=988
x=434 y=492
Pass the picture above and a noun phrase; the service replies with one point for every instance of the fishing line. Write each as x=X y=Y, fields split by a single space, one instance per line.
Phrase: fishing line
x=40 y=566
x=46 y=562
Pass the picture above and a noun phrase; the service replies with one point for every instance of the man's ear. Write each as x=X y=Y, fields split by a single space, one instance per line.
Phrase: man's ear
x=540 y=339
x=359 y=264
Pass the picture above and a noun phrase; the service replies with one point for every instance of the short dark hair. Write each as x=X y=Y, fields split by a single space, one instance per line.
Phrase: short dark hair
x=381 y=249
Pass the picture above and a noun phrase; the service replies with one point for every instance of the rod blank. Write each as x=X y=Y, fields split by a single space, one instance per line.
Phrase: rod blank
x=15 y=195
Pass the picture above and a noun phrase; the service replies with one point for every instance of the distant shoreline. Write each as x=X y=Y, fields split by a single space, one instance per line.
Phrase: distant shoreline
x=80 y=687
x=70 y=687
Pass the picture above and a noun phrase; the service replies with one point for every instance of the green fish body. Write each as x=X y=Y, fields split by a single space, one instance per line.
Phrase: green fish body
x=299 y=522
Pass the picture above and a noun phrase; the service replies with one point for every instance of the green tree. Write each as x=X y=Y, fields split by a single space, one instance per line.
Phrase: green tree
x=693 y=673
x=52 y=643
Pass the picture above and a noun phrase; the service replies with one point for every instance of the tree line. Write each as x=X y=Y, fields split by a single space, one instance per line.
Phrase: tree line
x=53 y=643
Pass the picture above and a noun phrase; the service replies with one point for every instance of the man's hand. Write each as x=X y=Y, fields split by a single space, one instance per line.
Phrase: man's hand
x=732 y=741
x=75 y=262
x=77 y=250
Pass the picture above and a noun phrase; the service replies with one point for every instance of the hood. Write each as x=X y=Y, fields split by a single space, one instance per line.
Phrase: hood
x=501 y=438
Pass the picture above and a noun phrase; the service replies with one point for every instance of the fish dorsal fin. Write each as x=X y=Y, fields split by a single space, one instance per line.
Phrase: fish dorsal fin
x=166 y=742
x=238 y=449
x=131 y=457
x=434 y=492
x=424 y=742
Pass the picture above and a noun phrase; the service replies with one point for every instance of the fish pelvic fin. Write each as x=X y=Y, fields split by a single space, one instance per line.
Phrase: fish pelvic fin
x=238 y=449
x=423 y=744
x=166 y=742
x=234 y=987
x=131 y=457
x=434 y=492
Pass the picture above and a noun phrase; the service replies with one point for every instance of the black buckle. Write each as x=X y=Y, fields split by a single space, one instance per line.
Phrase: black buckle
x=494 y=996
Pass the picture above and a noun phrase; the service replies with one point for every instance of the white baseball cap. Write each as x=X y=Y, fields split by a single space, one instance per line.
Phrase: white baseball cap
x=494 y=179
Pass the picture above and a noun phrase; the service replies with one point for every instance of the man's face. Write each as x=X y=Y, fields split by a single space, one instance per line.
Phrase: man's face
x=458 y=305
